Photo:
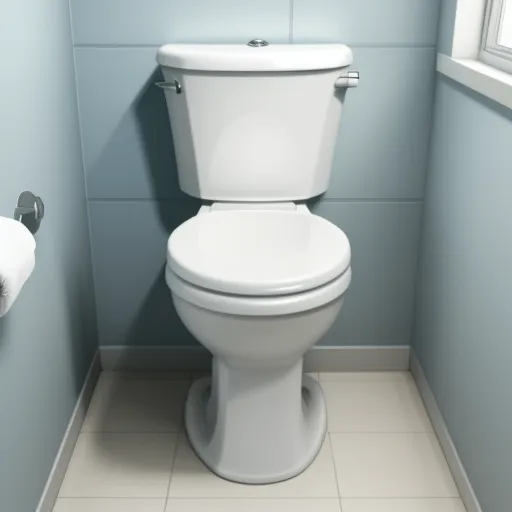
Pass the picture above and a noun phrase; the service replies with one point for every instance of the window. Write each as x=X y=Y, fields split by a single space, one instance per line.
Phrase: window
x=496 y=48
x=480 y=56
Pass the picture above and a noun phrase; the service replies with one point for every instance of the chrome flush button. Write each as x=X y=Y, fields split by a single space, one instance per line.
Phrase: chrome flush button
x=257 y=43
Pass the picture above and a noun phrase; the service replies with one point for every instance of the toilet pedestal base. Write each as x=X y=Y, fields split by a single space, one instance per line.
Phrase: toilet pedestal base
x=256 y=425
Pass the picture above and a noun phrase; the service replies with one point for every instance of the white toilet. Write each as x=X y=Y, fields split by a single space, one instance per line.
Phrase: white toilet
x=255 y=277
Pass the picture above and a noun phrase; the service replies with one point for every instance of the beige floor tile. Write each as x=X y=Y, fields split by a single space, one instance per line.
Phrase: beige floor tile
x=365 y=376
x=388 y=406
x=109 y=505
x=191 y=479
x=127 y=404
x=120 y=466
x=254 y=505
x=391 y=466
x=403 y=505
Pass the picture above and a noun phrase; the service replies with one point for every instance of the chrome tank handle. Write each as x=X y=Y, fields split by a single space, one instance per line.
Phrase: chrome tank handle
x=173 y=86
x=349 y=79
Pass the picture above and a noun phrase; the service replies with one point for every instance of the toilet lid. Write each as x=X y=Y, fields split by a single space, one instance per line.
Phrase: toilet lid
x=258 y=252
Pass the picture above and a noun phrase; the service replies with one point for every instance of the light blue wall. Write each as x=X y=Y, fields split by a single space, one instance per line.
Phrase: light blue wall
x=48 y=338
x=377 y=184
x=463 y=321
x=446 y=26
x=463 y=332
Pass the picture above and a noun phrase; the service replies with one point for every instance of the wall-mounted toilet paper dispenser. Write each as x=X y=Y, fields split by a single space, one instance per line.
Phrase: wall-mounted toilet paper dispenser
x=29 y=210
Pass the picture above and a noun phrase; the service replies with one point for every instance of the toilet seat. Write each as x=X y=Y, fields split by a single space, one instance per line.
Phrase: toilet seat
x=273 y=305
x=258 y=253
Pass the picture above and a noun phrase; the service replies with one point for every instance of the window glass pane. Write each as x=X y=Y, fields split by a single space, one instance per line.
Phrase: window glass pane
x=505 y=35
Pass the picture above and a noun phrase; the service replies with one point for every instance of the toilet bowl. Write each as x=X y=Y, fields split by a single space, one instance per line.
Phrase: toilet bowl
x=258 y=288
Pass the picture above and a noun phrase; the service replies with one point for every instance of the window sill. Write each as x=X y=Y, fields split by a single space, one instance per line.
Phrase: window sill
x=489 y=81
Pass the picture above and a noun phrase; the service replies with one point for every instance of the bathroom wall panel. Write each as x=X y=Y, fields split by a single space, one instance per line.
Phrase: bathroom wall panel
x=384 y=239
x=129 y=242
x=463 y=327
x=446 y=25
x=384 y=133
x=131 y=172
x=382 y=145
x=127 y=139
x=369 y=22
x=135 y=307
x=48 y=338
x=155 y=22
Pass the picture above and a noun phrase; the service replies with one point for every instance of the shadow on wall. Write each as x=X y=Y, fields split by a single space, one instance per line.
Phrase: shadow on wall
x=155 y=132
x=156 y=321
x=3 y=333
x=134 y=158
x=144 y=313
x=157 y=316
x=80 y=315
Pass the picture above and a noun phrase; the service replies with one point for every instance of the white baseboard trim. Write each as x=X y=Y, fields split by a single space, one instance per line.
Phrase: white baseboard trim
x=318 y=359
x=450 y=452
x=51 y=490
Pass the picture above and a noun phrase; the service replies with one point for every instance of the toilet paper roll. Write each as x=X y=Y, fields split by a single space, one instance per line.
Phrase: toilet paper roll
x=17 y=260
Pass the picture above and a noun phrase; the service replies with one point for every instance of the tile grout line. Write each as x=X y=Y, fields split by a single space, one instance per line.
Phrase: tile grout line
x=334 y=466
x=291 y=22
x=193 y=200
x=357 y=44
x=128 y=432
x=178 y=439
x=383 y=432
x=393 y=46
x=110 y=46
x=398 y=498
x=234 y=498
x=264 y=498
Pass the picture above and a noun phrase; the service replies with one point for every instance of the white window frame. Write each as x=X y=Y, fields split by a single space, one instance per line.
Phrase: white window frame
x=491 y=52
x=463 y=62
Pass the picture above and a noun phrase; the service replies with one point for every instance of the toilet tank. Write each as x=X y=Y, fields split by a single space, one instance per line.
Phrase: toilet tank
x=254 y=123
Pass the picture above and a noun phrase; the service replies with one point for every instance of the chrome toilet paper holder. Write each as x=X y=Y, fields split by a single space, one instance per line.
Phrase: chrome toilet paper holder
x=29 y=211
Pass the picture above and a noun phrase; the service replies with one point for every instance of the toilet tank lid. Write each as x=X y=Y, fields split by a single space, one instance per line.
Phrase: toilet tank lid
x=241 y=57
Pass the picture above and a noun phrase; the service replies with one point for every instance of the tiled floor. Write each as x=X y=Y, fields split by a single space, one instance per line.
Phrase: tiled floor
x=380 y=455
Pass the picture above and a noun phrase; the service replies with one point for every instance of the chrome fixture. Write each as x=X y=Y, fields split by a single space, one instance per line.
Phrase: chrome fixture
x=257 y=43
x=29 y=210
x=173 y=86
x=349 y=79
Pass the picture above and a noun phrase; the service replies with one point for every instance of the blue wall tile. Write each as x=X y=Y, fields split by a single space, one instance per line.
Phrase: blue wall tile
x=127 y=140
x=463 y=328
x=48 y=338
x=446 y=26
x=381 y=152
x=370 y=22
x=384 y=133
x=384 y=240
x=129 y=241
x=155 y=22
x=129 y=246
